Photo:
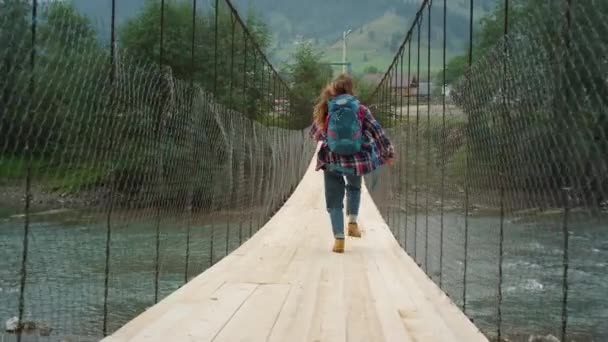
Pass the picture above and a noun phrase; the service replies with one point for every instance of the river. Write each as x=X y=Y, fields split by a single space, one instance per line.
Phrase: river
x=66 y=259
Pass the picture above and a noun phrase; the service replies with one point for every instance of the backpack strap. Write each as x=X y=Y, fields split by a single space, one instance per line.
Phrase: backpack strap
x=361 y=113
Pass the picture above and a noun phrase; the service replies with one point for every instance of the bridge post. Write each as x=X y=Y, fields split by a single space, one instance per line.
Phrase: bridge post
x=191 y=141
x=467 y=170
x=400 y=162
x=566 y=199
x=428 y=141
x=567 y=196
x=246 y=97
x=388 y=97
x=28 y=179
x=215 y=45
x=257 y=216
x=393 y=105
x=158 y=133
x=417 y=144
x=112 y=176
x=408 y=137
x=443 y=144
x=230 y=200
x=503 y=168
x=399 y=89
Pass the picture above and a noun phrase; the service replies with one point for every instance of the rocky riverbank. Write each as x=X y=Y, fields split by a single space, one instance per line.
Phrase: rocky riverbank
x=12 y=200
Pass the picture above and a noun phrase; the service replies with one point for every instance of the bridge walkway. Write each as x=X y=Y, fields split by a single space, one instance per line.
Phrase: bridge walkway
x=285 y=284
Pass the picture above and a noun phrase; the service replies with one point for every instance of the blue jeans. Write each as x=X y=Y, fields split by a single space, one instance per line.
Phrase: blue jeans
x=334 y=198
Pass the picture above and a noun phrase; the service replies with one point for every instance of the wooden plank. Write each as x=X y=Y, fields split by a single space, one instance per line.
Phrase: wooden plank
x=362 y=321
x=211 y=316
x=168 y=319
x=270 y=266
x=255 y=319
x=304 y=275
x=411 y=304
x=329 y=319
x=393 y=328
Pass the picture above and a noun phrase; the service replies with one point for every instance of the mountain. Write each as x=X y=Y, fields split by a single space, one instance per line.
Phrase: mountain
x=319 y=19
x=378 y=25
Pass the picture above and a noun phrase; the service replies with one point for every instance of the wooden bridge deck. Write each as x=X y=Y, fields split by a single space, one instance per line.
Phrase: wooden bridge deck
x=285 y=284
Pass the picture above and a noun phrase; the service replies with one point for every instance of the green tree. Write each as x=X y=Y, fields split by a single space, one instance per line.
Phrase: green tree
x=487 y=34
x=231 y=69
x=232 y=55
x=15 y=40
x=396 y=38
x=140 y=38
x=74 y=29
x=371 y=35
x=543 y=124
x=53 y=98
x=308 y=75
x=371 y=69
x=363 y=88
x=454 y=70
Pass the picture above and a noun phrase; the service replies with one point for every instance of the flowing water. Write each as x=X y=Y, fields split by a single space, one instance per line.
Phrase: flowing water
x=532 y=281
x=66 y=269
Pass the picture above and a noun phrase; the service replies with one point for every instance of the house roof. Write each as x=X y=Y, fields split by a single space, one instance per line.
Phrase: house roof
x=423 y=88
x=401 y=79
x=372 y=78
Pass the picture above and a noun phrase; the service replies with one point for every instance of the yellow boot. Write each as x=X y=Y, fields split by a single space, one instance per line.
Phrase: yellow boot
x=353 y=230
x=338 y=246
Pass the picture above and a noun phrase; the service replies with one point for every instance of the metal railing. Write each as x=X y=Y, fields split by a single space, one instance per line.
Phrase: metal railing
x=500 y=188
x=139 y=145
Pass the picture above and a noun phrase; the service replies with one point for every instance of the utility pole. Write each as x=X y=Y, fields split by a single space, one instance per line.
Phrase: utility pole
x=344 y=35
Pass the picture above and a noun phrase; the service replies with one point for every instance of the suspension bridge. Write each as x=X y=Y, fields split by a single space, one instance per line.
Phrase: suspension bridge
x=157 y=181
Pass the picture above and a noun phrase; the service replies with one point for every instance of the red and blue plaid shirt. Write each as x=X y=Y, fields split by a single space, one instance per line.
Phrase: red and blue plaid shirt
x=375 y=151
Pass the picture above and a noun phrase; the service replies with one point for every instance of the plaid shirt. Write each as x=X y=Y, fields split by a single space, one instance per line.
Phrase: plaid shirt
x=375 y=151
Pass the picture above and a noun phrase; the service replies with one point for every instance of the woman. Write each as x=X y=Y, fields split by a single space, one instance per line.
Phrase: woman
x=375 y=150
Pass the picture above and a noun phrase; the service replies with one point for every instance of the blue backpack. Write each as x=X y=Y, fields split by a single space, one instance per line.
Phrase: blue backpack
x=344 y=125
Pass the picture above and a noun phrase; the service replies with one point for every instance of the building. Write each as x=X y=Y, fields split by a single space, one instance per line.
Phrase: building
x=400 y=85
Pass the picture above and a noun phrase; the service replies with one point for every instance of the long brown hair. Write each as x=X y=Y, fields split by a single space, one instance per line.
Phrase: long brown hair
x=343 y=84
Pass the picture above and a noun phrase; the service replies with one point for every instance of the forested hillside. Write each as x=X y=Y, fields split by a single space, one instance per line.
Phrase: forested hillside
x=322 y=19
x=378 y=25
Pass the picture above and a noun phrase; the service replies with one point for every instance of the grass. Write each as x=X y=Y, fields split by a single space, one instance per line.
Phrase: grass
x=275 y=120
x=361 y=45
x=426 y=159
x=374 y=46
x=56 y=177
x=364 y=50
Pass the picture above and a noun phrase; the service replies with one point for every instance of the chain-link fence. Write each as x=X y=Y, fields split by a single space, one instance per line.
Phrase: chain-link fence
x=140 y=142
x=500 y=189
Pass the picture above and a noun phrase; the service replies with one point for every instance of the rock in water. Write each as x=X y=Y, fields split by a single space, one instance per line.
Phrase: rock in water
x=28 y=326
x=44 y=330
x=548 y=338
x=12 y=325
